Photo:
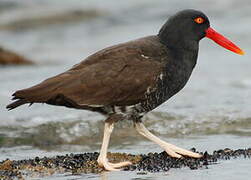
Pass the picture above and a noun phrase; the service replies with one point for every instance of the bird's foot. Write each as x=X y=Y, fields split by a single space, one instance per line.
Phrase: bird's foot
x=112 y=166
x=177 y=152
x=171 y=149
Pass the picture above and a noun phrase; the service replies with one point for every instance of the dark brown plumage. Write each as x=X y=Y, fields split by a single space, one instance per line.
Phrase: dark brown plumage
x=116 y=76
x=126 y=81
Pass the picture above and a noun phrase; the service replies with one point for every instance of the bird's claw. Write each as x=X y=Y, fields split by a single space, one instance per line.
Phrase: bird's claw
x=112 y=166
x=177 y=152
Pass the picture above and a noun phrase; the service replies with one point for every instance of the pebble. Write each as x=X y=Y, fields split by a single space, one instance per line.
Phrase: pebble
x=8 y=57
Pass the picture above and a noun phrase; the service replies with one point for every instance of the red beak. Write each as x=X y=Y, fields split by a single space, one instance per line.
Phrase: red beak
x=222 y=41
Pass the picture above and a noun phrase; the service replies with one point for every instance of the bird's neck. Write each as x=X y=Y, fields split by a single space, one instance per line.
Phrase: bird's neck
x=174 y=40
x=182 y=49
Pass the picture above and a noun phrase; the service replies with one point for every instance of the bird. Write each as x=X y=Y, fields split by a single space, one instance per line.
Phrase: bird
x=128 y=80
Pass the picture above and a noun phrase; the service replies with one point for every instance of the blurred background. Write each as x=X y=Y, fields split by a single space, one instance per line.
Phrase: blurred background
x=211 y=112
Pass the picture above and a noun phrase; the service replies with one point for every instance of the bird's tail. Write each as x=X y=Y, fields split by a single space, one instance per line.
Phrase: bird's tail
x=30 y=95
x=16 y=104
x=39 y=93
x=50 y=91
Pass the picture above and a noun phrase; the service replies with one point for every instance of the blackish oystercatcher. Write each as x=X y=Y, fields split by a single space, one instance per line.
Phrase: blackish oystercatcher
x=128 y=80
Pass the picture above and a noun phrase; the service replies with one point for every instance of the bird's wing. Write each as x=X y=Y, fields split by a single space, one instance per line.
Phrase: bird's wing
x=119 y=75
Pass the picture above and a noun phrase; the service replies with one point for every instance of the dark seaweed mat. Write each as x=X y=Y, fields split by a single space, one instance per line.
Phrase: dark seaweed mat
x=156 y=162
x=86 y=163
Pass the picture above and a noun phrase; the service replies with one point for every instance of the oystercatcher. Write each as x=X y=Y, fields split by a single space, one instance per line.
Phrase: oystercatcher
x=127 y=80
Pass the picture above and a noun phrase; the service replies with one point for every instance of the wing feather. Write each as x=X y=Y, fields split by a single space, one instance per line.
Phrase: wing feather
x=119 y=75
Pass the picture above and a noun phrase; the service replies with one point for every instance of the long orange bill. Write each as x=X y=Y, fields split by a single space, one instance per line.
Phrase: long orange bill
x=222 y=41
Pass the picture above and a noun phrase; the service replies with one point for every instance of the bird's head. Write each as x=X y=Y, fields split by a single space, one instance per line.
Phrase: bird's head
x=186 y=28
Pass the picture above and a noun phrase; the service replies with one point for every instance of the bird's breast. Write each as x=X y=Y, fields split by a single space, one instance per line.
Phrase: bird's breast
x=170 y=81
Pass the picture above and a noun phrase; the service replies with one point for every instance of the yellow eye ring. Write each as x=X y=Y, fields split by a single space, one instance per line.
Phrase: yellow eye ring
x=199 y=20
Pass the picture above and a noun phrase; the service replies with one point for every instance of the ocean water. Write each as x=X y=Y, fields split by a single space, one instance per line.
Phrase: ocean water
x=211 y=112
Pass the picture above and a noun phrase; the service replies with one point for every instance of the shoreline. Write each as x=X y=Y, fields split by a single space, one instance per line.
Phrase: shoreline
x=86 y=163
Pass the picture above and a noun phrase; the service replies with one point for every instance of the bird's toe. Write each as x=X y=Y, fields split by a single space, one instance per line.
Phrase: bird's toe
x=112 y=166
x=120 y=164
x=185 y=152
x=172 y=153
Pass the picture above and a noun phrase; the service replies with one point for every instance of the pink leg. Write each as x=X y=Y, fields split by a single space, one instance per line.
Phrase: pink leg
x=102 y=159
x=171 y=149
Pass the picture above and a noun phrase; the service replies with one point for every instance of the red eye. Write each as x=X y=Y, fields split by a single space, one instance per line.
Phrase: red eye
x=199 y=20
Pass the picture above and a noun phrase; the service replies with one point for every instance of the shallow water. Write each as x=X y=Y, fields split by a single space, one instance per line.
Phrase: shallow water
x=211 y=112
